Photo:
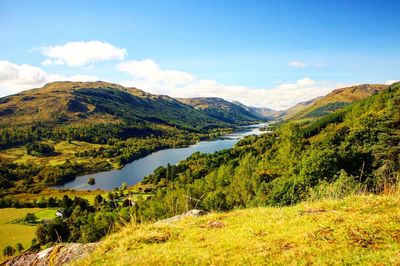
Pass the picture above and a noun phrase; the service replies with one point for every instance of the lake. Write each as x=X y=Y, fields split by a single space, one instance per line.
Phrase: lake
x=135 y=171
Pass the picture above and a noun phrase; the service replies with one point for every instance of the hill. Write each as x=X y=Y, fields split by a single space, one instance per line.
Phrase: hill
x=221 y=109
x=68 y=103
x=262 y=112
x=334 y=100
x=298 y=108
x=356 y=230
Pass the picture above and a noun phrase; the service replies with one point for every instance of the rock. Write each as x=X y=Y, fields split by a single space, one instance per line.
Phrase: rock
x=191 y=213
x=57 y=255
x=215 y=224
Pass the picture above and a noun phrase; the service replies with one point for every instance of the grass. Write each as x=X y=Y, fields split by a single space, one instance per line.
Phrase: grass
x=11 y=234
x=362 y=230
x=46 y=214
x=59 y=194
x=63 y=151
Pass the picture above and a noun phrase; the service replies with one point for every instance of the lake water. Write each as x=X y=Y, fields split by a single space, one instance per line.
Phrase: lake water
x=135 y=171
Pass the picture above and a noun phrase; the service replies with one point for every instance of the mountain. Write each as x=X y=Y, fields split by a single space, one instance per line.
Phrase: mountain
x=301 y=106
x=221 y=109
x=261 y=112
x=70 y=103
x=333 y=101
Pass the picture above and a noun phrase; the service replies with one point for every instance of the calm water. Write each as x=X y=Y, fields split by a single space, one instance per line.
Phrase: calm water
x=135 y=171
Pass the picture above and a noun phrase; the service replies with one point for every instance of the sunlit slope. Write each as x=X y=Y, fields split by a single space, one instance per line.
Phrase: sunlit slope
x=357 y=230
x=337 y=99
x=97 y=102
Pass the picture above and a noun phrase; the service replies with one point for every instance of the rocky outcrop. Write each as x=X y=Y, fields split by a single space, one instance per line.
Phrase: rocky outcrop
x=55 y=256
x=66 y=253
x=191 y=213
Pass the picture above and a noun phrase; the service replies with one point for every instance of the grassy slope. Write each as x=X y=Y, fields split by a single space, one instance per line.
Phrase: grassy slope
x=221 y=109
x=356 y=230
x=342 y=95
x=63 y=151
x=96 y=102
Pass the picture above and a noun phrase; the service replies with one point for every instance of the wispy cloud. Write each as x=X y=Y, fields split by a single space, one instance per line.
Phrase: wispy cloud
x=297 y=64
x=76 y=54
x=300 y=64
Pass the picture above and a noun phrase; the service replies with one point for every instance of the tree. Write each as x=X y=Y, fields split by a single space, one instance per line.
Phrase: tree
x=8 y=251
x=19 y=247
x=30 y=218
x=91 y=181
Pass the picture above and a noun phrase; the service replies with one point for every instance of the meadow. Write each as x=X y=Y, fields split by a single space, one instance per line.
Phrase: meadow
x=63 y=151
x=358 y=230
x=13 y=233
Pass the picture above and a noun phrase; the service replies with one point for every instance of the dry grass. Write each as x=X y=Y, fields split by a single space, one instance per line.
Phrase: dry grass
x=358 y=230
x=63 y=151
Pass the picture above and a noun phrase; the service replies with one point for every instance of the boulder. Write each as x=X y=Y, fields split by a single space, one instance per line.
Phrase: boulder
x=57 y=255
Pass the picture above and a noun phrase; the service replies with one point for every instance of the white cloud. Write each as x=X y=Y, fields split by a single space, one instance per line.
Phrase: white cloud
x=391 y=81
x=147 y=75
x=297 y=64
x=76 y=54
x=149 y=71
x=16 y=78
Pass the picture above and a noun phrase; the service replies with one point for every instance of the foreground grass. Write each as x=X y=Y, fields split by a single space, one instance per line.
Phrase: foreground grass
x=356 y=230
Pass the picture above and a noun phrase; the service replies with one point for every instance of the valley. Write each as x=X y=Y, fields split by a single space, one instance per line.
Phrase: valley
x=312 y=156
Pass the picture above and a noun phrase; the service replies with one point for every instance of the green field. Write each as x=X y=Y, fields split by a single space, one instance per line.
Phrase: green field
x=11 y=234
x=46 y=214
x=63 y=151
x=59 y=194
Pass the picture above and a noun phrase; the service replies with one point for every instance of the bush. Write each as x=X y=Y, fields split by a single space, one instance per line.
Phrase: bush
x=8 y=251
x=344 y=185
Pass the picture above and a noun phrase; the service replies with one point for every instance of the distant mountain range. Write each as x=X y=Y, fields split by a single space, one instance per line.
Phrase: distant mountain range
x=229 y=112
x=70 y=103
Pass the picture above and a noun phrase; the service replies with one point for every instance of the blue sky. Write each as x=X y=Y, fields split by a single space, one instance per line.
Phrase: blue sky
x=263 y=53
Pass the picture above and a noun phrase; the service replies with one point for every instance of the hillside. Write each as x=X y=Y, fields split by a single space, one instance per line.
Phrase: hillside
x=334 y=100
x=294 y=110
x=221 y=109
x=356 y=230
x=262 y=112
x=67 y=103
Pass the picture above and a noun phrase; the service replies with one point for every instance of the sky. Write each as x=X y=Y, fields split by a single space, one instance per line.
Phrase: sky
x=262 y=53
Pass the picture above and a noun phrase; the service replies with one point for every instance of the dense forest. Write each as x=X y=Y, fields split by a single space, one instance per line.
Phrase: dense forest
x=353 y=149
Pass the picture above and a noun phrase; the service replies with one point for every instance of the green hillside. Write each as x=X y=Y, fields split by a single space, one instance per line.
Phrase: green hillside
x=70 y=103
x=334 y=100
x=352 y=149
x=222 y=110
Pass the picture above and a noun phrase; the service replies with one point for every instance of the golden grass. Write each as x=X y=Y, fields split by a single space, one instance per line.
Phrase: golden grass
x=357 y=230
x=59 y=194
x=11 y=234
x=63 y=151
